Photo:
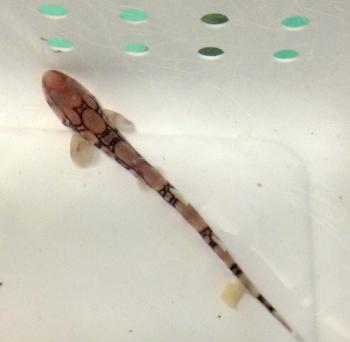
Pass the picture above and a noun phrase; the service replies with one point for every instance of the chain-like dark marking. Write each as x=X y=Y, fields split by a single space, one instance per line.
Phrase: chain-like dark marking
x=236 y=270
x=80 y=109
x=166 y=193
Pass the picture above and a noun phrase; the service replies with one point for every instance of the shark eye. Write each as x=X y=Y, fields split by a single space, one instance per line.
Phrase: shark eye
x=66 y=122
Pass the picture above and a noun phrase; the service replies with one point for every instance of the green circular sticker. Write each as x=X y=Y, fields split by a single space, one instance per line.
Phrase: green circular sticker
x=210 y=52
x=134 y=15
x=215 y=19
x=53 y=11
x=295 y=22
x=60 y=44
x=136 y=48
x=286 y=54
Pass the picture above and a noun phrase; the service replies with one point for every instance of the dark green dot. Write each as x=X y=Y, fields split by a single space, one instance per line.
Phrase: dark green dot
x=286 y=54
x=53 y=11
x=295 y=22
x=60 y=44
x=214 y=19
x=210 y=52
x=134 y=15
x=136 y=48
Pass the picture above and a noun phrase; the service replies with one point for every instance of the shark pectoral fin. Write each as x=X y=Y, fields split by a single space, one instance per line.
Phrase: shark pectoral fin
x=119 y=121
x=82 y=152
x=232 y=293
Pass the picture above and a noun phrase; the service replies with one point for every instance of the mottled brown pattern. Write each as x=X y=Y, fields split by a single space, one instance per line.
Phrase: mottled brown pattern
x=108 y=138
x=90 y=101
x=126 y=153
x=108 y=152
x=73 y=116
x=89 y=136
x=150 y=175
x=192 y=216
x=93 y=122
x=78 y=109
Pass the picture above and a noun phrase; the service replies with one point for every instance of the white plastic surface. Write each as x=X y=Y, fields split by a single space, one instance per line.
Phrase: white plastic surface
x=260 y=148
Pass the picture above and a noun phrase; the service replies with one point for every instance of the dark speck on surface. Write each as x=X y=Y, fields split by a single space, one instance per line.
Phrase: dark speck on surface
x=259 y=185
x=219 y=316
x=130 y=330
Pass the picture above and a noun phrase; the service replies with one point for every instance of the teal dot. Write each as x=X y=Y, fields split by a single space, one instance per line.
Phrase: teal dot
x=215 y=19
x=134 y=15
x=295 y=22
x=210 y=52
x=60 y=44
x=136 y=48
x=286 y=54
x=53 y=11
